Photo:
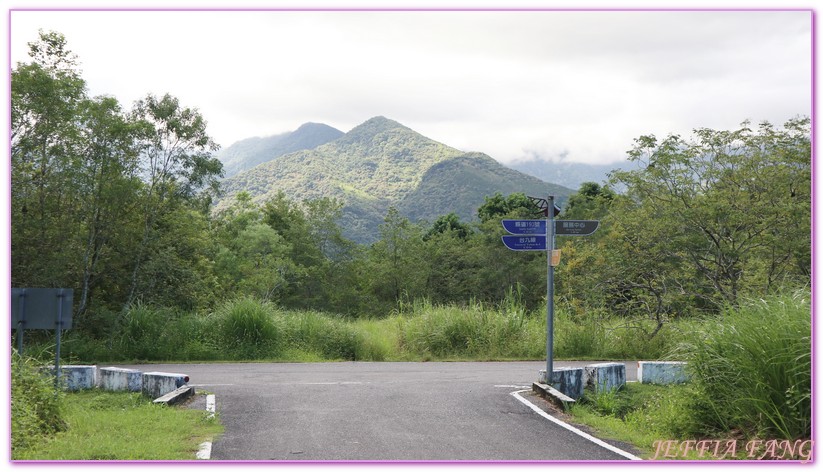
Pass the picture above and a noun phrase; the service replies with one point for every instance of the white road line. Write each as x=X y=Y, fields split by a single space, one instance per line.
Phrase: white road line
x=327 y=383
x=572 y=428
x=511 y=386
x=210 y=405
x=204 y=453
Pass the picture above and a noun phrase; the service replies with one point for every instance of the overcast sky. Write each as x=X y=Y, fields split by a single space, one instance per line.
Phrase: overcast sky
x=577 y=85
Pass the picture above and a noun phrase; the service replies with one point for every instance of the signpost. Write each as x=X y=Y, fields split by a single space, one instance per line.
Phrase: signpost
x=539 y=235
x=42 y=308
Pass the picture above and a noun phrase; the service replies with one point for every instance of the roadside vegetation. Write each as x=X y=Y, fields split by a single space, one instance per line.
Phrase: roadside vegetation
x=750 y=383
x=49 y=424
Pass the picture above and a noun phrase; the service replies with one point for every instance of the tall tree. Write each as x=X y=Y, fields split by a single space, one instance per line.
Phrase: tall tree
x=47 y=95
x=729 y=198
x=176 y=165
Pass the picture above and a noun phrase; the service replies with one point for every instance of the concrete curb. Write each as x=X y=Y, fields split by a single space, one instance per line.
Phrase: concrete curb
x=553 y=395
x=175 y=396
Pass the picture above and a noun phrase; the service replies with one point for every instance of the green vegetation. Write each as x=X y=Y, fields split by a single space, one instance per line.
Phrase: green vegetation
x=37 y=411
x=120 y=427
x=251 y=329
x=118 y=205
x=751 y=380
x=752 y=367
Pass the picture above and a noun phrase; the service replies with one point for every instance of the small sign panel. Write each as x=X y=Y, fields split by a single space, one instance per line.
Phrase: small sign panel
x=525 y=243
x=575 y=227
x=39 y=307
x=525 y=226
x=555 y=257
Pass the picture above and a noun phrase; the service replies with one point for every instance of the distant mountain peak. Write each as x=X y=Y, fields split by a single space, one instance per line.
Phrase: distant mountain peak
x=248 y=153
x=376 y=125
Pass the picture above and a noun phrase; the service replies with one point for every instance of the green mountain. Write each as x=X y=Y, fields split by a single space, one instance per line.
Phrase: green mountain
x=248 y=153
x=382 y=163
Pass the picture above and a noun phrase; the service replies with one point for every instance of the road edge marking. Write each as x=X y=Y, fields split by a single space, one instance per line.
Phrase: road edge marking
x=204 y=453
x=571 y=428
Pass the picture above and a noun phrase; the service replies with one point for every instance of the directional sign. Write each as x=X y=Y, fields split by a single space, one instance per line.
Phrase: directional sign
x=525 y=243
x=575 y=227
x=525 y=226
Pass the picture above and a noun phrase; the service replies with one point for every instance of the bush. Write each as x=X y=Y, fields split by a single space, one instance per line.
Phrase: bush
x=36 y=406
x=752 y=366
x=247 y=329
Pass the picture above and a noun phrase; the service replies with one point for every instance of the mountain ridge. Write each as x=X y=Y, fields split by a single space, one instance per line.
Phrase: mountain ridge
x=382 y=163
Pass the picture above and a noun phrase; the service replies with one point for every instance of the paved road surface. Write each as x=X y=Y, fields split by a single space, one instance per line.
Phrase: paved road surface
x=384 y=411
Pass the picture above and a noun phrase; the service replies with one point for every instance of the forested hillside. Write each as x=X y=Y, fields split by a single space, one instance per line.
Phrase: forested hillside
x=380 y=164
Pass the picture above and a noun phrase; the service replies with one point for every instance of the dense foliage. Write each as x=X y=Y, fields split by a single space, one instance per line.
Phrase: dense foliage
x=118 y=205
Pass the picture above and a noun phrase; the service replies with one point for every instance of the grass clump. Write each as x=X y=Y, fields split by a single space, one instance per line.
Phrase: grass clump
x=475 y=331
x=246 y=328
x=753 y=368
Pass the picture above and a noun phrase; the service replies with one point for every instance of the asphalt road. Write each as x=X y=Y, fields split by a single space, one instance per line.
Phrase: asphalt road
x=364 y=411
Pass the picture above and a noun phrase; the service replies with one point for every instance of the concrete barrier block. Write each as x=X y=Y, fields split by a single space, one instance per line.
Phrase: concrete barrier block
x=662 y=372
x=121 y=380
x=567 y=380
x=605 y=377
x=157 y=384
x=77 y=377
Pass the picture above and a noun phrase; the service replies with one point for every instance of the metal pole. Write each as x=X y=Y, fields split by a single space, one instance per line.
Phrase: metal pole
x=58 y=329
x=550 y=292
x=21 y=322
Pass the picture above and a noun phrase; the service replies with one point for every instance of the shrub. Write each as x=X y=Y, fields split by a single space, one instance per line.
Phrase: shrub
x=247 y=329
x=36 y=406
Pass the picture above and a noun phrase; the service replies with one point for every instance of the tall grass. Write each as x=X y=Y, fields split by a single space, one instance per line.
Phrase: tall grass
x=473 y=331
x=250 y=329
x=752 y=366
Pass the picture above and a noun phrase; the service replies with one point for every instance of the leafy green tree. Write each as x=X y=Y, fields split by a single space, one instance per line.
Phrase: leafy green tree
x=176 y=165
x=728 y=199
x=516 y=205
x=449 y=223
x=108 y=185
x=397 y=262
x=590 y=202
x=46 y=96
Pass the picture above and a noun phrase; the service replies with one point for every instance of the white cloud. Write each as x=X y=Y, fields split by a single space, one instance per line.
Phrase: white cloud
x=582 y=84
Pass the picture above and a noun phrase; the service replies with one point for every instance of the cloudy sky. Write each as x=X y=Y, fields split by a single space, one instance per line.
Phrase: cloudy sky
x=574 y=85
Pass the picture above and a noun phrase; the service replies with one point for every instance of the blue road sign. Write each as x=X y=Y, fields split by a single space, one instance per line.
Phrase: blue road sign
x=525 y=243
x=525 y=226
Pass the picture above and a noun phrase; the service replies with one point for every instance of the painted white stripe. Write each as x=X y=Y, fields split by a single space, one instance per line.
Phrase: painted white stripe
x=328 y=383
x=511 y=386
x=210 y=405
x=204 y=453
x=210 y=385
x=572 y=428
